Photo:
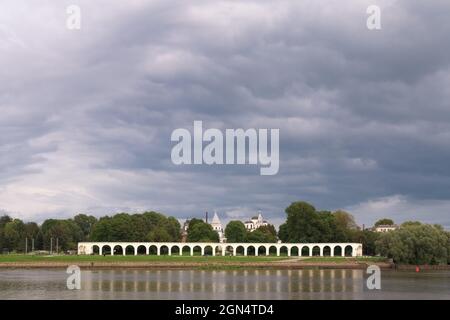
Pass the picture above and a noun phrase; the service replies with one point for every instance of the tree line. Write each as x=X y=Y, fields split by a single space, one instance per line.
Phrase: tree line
x=66 y=233
x=412 y=242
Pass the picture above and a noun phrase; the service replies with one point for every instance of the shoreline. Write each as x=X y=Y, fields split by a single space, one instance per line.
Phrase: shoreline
x=192 y=265
x=205 y=263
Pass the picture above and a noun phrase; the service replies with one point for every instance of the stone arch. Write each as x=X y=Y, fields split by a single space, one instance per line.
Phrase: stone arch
x=326 y=251
x=141 y=250
x=294 y=251
x=251 y=250
x=175 y=250
x=240 y=250
x=284 y=251
x=208 y=250
x=348 y=250
x=229 y=250
x=186 y=250
x=95 y=249
x=129 y=250
x=316 y=251
x=273 y=250
x=338 y=251
x=152 y=250
x=106 y=249
x=164 y=250
x=261 y=250
x=118 y=249
x=305 y=251
x=197 y=250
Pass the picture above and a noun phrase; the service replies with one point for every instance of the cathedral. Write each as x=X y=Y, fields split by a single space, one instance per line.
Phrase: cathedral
x=255 y=222
x=217 y=226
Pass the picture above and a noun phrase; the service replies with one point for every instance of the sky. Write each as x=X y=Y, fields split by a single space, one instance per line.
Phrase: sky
x=86 y=115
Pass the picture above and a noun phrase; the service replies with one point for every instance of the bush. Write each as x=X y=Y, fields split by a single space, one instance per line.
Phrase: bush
x=415 y=244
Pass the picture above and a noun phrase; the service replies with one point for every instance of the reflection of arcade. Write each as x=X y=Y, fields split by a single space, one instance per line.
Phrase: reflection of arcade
x=263 y=282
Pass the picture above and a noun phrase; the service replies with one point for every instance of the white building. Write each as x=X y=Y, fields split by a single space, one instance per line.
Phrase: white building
x=385 y=228
x=217 y=226
x=255 y=222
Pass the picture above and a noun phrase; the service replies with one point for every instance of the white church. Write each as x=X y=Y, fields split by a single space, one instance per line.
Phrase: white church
x=255 y=222
x=251 y=225
x=217 y=226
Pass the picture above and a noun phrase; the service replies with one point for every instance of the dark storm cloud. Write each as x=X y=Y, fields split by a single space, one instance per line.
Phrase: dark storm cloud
x=363 y=115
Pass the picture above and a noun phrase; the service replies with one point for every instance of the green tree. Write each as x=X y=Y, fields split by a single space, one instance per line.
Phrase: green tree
x=235 y=232
x=368 y=239
x=32 y=232
x=385 y=221
x=3 y=221
x=269 y=229
x=448 y=247
x=345 y=220
x=411 y=223
x=102 y=230
x=173 y=228
x=283 y=233
x=302 y=222
x=65 y=233
x=329 y=229
x=14 y=235
x=263 y=234
x=346 y=226
x=193 y=222
x=202 y=232
x=159 y=235
x=136 y=227
x=85 y=223
x=415 y=244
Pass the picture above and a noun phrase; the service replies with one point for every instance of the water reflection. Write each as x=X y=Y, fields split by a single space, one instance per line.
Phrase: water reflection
x=235 y=284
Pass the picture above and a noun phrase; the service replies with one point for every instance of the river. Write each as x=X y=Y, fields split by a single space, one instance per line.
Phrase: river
x=229 y=284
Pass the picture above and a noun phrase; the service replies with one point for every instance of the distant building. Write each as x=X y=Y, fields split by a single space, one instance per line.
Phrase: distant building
x=184 y=230
x=217 y=226
x=385 y=228
x=255 y=222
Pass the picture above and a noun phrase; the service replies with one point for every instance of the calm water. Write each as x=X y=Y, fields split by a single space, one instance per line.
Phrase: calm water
x=239 y=284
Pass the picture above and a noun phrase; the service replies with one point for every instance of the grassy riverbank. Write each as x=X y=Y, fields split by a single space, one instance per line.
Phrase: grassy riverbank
x=192 y=262
x=131 y=258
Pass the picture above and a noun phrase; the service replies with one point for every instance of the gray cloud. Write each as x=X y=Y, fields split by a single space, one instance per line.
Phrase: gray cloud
x=86 y=116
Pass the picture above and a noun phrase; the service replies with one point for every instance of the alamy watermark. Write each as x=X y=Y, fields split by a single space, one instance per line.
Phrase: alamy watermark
x=373 y=21
x=73 y=281
x=373 y=278
x=73 y=21
x=229 y=148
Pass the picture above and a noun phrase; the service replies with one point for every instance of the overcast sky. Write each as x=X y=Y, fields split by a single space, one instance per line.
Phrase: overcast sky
x=86 y=115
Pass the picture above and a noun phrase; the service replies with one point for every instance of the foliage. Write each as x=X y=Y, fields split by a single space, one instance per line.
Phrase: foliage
x=150 y=226
x=193 y=222
x=13 y=235
x=385 y=221
x=345 y=220
x=305 y=224
x=263 y=234
x=202 y=232
x=368 y=239
x=415 y=243
x=302 y=223
x=235 y=232
x=64 y=233
x=85 y=223
x=283 y=233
